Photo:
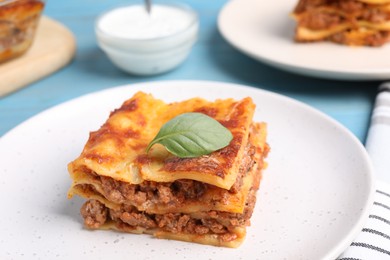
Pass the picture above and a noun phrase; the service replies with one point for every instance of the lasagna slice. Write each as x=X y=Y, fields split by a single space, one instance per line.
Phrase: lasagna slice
x=349 y=22
x=18 y=23
x=207 y=199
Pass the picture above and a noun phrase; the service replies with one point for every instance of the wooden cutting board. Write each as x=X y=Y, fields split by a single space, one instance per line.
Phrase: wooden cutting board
x=54 y=47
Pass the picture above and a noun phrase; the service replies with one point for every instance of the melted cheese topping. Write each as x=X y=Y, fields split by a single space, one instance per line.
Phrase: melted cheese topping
x=117 y=149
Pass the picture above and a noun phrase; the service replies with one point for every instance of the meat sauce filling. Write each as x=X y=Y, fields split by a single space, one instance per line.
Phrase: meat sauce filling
x=355 y=11
x=167 y=194
x=172 y=194
x=128 y=217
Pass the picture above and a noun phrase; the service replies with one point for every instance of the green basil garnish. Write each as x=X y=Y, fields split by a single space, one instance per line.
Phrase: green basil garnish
x=192 y=135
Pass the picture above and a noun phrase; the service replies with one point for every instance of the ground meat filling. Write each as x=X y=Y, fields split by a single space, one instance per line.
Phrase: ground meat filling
x=169 y=194
x=376 y=38
x=246 y=165
x=348 y=6
x=94 y=213
x=318 y=20
x=315 y=18
x=128 y=217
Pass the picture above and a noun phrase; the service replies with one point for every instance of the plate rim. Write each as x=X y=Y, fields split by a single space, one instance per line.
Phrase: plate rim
x=306 y=70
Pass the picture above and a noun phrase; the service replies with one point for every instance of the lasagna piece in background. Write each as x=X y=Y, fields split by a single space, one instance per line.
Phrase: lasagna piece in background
x=18 y=22
x=207 y=199
x=349 y=22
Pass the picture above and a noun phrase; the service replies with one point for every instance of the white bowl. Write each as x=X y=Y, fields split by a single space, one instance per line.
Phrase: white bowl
x=153 y=55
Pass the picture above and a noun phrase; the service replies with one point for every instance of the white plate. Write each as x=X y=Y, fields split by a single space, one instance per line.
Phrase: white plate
x=265 y=31
x=313 y=200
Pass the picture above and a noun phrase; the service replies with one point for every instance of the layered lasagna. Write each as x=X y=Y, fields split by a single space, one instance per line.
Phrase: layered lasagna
x=207 y=199
x=18 y=22
x=349 y=22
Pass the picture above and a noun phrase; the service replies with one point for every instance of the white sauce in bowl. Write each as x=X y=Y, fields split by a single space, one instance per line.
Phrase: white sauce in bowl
x=147 y=44
x=133 y=22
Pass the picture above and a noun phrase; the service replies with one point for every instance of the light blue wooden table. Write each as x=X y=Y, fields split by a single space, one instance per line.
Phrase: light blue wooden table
x=212 y=58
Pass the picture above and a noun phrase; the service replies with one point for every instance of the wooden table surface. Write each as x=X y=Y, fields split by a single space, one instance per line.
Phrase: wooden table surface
x=212 y=58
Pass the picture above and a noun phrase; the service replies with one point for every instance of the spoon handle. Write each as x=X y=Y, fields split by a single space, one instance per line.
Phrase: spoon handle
x=148 y=5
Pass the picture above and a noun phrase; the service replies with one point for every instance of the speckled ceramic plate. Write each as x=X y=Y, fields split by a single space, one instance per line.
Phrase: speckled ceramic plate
x=313 y=200
x=265 y=31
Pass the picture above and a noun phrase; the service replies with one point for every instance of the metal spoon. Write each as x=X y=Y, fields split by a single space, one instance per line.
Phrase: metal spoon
x=148 y=5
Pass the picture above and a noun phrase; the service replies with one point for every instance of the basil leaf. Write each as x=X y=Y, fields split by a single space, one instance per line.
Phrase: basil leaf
x=192 y=135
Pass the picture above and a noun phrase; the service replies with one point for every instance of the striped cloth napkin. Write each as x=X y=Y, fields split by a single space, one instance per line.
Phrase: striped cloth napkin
x=374 y=240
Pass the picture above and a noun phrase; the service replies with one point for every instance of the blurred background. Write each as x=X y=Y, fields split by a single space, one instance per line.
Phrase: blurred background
x=212 y=58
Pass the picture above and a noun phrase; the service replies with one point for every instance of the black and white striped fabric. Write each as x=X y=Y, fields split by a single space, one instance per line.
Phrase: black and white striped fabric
x=374 y=240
